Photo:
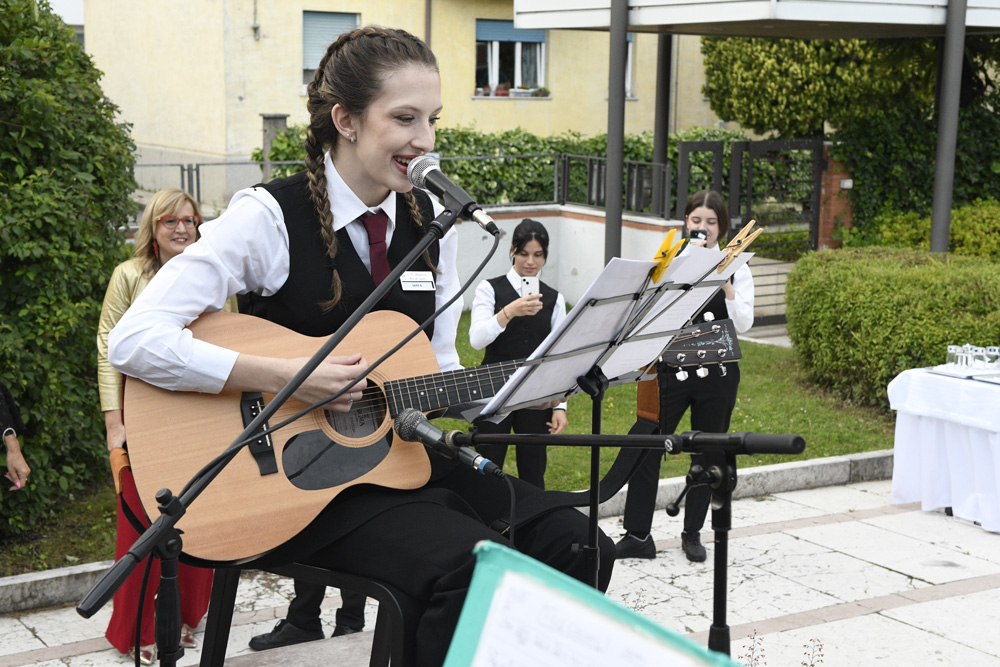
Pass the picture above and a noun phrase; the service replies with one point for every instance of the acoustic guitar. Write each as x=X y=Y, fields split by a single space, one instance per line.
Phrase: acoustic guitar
x=272 y=490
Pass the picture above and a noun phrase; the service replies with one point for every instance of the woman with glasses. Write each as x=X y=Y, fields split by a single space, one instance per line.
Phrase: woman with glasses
x=168 y=226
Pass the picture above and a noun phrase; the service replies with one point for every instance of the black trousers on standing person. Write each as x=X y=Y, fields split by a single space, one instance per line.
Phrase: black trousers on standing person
x=712 y=400
x=531 y=459
x=304 y=609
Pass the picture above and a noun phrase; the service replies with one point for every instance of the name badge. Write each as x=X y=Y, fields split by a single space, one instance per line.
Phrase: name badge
x=417 y=281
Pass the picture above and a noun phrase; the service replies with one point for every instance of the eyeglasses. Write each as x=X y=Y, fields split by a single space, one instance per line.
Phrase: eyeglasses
x=170 y=221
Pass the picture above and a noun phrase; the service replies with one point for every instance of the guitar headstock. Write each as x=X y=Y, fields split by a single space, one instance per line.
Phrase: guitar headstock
x=703 y=345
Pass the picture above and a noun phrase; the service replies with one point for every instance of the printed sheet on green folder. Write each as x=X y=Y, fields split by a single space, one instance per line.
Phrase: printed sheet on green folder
x=520 y=612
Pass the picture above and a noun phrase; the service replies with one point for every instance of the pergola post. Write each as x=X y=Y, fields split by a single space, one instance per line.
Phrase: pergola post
x=949 y=89
x=616 y=131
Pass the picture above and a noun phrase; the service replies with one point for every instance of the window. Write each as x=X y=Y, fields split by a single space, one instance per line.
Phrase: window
x=508 y=58
x=319 y=29
x=629 y=60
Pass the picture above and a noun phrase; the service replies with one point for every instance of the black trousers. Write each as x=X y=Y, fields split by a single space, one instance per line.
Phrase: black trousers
x=304 y=609
x=711 y=400
x=531 y=459
x=422 y=549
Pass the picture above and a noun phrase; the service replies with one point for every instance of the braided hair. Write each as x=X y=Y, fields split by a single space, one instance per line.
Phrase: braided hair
x=351 y=74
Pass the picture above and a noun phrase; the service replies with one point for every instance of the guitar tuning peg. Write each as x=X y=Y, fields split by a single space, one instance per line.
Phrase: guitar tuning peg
x=701 y=372
x=681 y=357
x=681 y=375
x=721 y=352
x=722 y=370
x=708 y=317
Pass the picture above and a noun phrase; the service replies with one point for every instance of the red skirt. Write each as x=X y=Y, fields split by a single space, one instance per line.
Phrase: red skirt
x=195 y=583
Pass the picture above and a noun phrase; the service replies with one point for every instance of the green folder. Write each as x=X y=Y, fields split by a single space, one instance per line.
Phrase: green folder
x=522 y=612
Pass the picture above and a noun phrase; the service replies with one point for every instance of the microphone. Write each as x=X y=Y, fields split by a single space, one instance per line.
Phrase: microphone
x=425 y=172
x=413 y=425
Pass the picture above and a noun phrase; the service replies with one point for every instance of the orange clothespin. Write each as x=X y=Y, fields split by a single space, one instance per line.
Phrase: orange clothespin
x=665 y=254
x=739 y=243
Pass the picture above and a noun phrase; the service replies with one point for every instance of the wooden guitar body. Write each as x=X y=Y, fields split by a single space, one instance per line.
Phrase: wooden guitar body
x=242 y=513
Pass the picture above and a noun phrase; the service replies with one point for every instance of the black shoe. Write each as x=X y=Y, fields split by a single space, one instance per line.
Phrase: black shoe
x=691 y=544
x=284 y=634
x=342 y=630
x=631 y=546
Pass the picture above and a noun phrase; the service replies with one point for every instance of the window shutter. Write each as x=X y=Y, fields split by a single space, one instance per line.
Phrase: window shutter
x=319 y=29
x=504 y=31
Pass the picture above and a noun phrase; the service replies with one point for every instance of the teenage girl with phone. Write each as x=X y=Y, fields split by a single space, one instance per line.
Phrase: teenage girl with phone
x=511 y=315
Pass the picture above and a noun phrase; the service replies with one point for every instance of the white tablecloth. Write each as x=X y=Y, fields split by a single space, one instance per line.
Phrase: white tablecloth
x=947 y=450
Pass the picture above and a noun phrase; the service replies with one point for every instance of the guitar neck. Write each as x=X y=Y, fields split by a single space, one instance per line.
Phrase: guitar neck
x=441 y=390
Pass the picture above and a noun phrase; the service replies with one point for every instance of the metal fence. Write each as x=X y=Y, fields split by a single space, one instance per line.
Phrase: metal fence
x=775 y=183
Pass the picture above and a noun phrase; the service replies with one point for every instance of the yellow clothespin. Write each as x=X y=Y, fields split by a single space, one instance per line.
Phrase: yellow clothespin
x=665 y=254
x=739 y=243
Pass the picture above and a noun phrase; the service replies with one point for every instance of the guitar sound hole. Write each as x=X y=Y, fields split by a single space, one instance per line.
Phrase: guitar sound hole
x=312 y=460
x=365 y=417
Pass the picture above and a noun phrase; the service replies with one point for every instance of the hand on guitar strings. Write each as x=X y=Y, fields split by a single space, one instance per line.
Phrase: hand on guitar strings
x=329 y=378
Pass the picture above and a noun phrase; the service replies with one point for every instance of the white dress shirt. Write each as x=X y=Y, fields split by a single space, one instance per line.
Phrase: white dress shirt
x=246 y=250
x=484 y=327
x=740 y=308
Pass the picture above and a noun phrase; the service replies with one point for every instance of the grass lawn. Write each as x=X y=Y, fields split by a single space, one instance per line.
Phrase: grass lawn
x=773 y=398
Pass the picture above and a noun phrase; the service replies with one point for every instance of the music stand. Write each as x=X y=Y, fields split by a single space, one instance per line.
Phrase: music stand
x=612 y=336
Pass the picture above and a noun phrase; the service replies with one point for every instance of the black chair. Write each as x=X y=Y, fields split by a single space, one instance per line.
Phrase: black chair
x=387 y=644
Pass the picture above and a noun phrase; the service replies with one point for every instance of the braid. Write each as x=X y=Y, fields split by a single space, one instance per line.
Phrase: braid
x=417 y=217
x=350 y=74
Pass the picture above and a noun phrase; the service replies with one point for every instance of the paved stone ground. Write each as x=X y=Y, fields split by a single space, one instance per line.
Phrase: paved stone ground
x=871 y=582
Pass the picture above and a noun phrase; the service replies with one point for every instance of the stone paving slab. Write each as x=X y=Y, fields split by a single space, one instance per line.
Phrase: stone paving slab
x=869 y=582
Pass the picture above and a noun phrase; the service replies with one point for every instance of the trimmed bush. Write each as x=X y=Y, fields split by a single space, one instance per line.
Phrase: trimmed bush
x=859 y=317
x=65 y=184
x=974 y=230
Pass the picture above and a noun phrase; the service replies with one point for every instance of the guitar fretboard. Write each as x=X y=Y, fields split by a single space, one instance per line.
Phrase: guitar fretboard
x=440 y=390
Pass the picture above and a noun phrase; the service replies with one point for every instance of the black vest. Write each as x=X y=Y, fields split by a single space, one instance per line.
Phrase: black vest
x=716 y=305
x=298 y=304
x=523 y=334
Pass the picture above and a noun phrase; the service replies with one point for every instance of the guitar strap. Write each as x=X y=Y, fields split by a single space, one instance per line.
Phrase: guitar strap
x=621 y=471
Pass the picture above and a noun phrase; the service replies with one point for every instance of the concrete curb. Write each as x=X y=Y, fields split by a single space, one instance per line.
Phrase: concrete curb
x=50 y=587
x=69 y=584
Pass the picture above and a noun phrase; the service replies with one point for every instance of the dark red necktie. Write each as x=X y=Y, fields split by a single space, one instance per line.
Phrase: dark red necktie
x=376 y=224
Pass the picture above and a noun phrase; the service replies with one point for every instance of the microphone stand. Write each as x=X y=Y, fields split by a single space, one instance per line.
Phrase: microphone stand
x=718 y=452
x=164 y=538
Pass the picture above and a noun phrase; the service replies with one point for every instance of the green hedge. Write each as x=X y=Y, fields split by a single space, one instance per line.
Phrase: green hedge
x=65 y=185
x=891 y=154
x=507 y=177
x=974 y=230
x=859 y=317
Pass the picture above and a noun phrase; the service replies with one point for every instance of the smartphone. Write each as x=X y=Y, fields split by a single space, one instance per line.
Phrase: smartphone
x=698 y=236
x=529 y=285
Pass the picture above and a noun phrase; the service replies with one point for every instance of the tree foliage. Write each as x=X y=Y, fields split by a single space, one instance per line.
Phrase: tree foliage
x=791 y=87
x=65 y=183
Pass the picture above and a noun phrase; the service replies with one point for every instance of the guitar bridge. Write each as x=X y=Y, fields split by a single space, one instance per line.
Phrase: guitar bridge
x=251 y=405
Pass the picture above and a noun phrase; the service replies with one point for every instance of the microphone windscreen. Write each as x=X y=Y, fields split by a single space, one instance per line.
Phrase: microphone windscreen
x=407 y=423
x=418 y=168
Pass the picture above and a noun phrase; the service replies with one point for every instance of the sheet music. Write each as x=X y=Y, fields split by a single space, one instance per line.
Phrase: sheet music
x=531 y=624
x=619 y=277
x=604 y=321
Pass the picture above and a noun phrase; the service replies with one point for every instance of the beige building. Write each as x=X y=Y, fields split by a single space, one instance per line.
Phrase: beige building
x=193 y=77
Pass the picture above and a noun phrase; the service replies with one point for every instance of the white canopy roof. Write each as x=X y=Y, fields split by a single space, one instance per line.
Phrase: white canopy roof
x=801 y=19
